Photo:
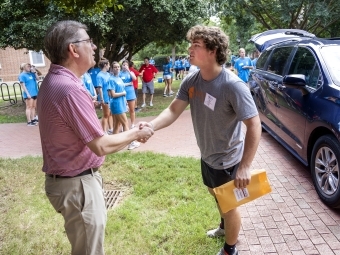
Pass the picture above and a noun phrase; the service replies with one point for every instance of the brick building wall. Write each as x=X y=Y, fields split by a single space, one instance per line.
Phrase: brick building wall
x=10 y=60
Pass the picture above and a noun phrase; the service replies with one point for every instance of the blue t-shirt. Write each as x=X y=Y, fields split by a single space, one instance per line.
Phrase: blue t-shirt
x=93 y=73
x=117 y=104
x=126 y=77
x=166 y=68
x=254 y=62
x=243 y=73
x=233 y=59
x=177 y=64
x=103 y=82
x=180 y=64
x=30 y=82
x=186 y=63
x=88 y=83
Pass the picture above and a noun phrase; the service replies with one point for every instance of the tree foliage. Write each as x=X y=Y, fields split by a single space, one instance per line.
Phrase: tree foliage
x=122 y=28
x=145 y=21
x=321 y=17
x=88 y=6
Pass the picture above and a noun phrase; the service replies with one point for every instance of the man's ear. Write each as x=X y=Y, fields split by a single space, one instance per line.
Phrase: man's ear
x=73 y=50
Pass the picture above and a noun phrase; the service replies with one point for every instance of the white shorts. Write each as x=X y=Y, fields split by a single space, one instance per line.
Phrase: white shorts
x=167 y=77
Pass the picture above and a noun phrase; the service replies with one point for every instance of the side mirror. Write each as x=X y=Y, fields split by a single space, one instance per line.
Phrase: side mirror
x=295 y=81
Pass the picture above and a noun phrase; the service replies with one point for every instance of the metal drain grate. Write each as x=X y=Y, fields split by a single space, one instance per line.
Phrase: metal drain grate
x=112 y=197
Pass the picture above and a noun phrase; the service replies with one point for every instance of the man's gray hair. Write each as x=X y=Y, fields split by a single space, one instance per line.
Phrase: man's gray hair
x=58 y=38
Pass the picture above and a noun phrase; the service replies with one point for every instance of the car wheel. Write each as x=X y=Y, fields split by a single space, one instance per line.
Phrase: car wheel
x=325 y=169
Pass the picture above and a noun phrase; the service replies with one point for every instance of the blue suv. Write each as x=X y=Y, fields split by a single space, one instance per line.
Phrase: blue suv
x=296 y=87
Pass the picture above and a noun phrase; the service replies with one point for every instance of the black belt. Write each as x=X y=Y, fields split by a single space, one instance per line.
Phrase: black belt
x=86 y=172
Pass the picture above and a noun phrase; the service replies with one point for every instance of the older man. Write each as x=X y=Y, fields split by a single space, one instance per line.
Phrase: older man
x=73 y=141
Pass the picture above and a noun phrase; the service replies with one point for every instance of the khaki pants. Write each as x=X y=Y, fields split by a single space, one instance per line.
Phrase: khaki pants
x=81 y=202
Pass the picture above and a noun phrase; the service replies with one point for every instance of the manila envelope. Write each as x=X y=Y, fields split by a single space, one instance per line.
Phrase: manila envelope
x=229 y=197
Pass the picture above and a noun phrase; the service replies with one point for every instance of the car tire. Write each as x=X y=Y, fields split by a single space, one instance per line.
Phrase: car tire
x=325 y=169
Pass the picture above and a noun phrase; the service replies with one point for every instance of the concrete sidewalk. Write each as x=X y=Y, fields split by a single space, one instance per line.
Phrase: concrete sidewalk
x=290 y=220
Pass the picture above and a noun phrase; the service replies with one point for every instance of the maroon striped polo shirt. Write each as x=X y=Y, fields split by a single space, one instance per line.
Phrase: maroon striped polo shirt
x=67 y=122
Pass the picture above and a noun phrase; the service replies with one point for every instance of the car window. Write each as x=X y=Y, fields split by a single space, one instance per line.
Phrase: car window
x=262 y=59
x=278 y=60
x=331 y=55
x=304 y=63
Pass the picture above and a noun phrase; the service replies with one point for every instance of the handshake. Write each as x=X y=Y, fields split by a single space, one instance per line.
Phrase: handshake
x=145 y=131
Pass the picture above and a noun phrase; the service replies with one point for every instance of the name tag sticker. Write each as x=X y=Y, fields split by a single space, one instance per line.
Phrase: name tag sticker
x=241 y=194
x=210 y=101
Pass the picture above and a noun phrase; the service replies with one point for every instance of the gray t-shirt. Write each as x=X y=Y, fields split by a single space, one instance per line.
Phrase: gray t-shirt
x=218 y=108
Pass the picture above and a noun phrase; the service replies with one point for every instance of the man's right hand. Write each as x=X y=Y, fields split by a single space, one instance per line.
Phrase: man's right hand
x=144 y=133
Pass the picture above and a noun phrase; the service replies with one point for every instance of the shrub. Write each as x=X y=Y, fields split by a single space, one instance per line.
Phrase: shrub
x=160 y=61
x=138 y=63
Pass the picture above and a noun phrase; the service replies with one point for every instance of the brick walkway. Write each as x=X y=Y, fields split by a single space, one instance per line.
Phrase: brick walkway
x=290 y=220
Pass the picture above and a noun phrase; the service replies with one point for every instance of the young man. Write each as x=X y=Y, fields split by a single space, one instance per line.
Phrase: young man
x=148 y=73
x=72 y=139
x=219 y=103
x=243 y=65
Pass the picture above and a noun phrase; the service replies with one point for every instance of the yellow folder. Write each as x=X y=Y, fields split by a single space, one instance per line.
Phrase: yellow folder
x=229 y=197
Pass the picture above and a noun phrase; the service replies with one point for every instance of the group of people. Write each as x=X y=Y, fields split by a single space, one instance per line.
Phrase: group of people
x=115 y=88
x=181 y=66
x=74 y=143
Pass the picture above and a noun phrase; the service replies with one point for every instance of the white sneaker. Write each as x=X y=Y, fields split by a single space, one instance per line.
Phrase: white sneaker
x=151 y=104
x=132 y=126
x=143 y=105
x=133 y=145
x=217 y=232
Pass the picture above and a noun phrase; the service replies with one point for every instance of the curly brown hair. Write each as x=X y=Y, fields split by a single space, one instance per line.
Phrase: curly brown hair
x=213 y=38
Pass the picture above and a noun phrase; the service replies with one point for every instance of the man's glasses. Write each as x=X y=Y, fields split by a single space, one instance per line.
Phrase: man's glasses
x=86 y=40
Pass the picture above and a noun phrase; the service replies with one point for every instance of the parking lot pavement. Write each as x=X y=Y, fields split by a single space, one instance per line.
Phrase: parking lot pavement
x=289 y=220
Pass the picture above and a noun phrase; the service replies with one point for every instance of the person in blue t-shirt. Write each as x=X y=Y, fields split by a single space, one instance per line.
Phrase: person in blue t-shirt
x=175 y=66
x=243 y=65
x=152 y=61
x=256 y=56
x=167 y=70
x=93 y=73
x=87 y=80
x=233 y=58
x=128 y=77
x=186 y=65
x=102 y=84
x=180 y=68
x=118 y=95
x=28 y=81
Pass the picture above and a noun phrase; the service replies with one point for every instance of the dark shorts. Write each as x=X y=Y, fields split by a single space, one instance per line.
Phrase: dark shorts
x=136 y=92
x=213 y=178
x=34 y=98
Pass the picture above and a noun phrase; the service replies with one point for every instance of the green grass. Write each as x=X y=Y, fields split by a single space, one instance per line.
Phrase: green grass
x=165 y=210
x=16 y=113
